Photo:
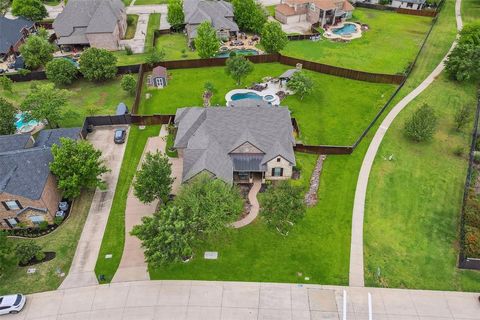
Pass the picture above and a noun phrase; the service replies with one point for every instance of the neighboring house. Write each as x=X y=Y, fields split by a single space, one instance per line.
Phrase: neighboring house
x=218 y=13
x=236 y=143
x=319 y=12
x=28 y=190
x=158 y=77
x=13 y=33
x=409 y=4
x=95 y=23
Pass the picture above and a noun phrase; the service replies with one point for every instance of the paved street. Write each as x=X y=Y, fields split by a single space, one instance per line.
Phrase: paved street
x=81 y=272
x=356 y=272
x=241 y=300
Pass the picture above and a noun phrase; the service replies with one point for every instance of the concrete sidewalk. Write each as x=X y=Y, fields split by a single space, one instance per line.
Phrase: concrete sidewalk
x=82 y=271
x=137 y=44
x=356 y=273
x=242 y=300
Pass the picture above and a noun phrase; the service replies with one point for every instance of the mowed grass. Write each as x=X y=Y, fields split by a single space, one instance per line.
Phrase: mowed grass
x=87 y=98
x=114 y=236
x=317 y=247
x=336 y=113
x=63 y=241
x=414 y=201
x=173 y=45
x=389 y=45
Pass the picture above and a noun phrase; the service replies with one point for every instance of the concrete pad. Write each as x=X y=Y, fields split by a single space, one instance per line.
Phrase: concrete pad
x=76 y=301
x=241 y=296
x=239 y=314
x=300 y=315
x=402 y=317
x=464 y=306
x=207 y=296
x=359 y=300
x=106 y=314
x=171 y=313
x=74 y=316
x=274 y=314
x=109 y=296
x=299 y=296
x=398 y=302
x=143 y=295
x=274 y=297
x=424 y=301
x=138 y=313
x=203 y=313
x=321 y=315
x=44 y=305
x=322 y=300
x=172 y=295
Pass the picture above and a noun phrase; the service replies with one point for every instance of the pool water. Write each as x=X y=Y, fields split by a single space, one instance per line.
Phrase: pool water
x=347 y=29
x=20 y=124
x=72 y=61
x=242 y=52
x=246 y=95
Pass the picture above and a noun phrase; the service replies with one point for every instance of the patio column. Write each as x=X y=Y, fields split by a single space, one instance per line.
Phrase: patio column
x=323 y=17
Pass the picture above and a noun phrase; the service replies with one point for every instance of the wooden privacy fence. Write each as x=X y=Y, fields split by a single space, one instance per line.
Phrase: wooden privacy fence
x=423 y=13
x=323 y=149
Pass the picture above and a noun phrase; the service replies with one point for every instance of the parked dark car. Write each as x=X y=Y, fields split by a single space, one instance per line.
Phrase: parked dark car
x=119 y=136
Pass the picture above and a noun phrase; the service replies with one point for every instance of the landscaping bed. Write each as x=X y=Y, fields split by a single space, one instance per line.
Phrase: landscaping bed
x=389 y=46
x=132 y=20
x=49 y=255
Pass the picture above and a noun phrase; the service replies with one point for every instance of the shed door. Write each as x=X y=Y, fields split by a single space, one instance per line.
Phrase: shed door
x=159 y=82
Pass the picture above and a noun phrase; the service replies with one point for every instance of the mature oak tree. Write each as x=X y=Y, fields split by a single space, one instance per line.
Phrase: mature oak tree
x=273 y=38
x=7 y=117
x=98 y=64
x=249 y=15
x=36 y=51
x=77 y=165
x=45 y=102
x=31 y=9
x=61 y=71
x=153 y=181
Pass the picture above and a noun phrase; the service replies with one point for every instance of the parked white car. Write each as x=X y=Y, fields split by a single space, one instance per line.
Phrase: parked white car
x=12 y=303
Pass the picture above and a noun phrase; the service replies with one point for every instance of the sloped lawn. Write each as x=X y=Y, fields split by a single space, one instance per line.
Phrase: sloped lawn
x=389 y=45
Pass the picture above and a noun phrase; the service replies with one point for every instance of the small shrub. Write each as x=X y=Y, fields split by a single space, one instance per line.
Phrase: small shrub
x=459 y=151
x=128 y=50
x=23 y=72
x=26 y=251
x=476 y=156
x=58 y=220
x=40 y=255
x=42 y=226
x=472 y=242
x=422 y=124
x=130 y=20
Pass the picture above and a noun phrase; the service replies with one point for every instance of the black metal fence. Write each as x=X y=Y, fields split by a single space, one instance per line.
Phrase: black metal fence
x=465 y=262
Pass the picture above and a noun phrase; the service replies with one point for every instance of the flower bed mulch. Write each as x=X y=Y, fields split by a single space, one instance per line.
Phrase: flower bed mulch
x=49 y=255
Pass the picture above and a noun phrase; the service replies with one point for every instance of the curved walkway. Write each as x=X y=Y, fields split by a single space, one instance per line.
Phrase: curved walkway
x=255 y=207
x=356 y=274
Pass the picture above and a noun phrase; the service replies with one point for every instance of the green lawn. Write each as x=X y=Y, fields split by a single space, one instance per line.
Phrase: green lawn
x=388 y=47
x=173 y=45
x=271 y=10
x=320 y=115
x=146 y=2
x=414 y=201
x=124 y=59
x=132 y=27
x=114 y=236
x=63 y=241
x=317 y=247
x=87 y=98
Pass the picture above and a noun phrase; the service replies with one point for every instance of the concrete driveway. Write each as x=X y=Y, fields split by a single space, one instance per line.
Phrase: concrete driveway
x=81 y=272
x=172 y=300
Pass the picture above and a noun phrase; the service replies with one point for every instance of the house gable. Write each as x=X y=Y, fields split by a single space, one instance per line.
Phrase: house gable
x=247 y=147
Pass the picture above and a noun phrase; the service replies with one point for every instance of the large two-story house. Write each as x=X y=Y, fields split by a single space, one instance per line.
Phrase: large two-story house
x=28 y=190
x=319 y=12
x=13 y=33
x=237 y=143
x=95 y=23
x=218 y=12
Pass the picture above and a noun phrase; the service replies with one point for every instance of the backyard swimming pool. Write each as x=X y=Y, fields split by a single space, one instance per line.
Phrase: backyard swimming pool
x=23 y=126
x=246 y=95
x=242 y=52
x=347 y=29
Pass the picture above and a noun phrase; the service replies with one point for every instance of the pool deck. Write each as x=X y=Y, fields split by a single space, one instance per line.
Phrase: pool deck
x=272 y=89
x=332 y=36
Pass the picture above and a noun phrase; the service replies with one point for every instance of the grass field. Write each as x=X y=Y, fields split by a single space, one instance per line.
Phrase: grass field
x=132 y=27
x=124 y=59
x=114 y=236
x=173 y=45
x=322 y=116
x=388 y=46
x=63 y=241
x=414 y=201
x=87 y=98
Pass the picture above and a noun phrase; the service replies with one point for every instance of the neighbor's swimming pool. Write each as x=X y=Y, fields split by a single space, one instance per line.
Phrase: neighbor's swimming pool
x=24 y=126
x=347 y=29
x=242 y=52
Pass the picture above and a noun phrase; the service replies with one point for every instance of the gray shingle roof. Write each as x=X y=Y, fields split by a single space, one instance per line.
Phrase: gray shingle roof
x=14 y=142
x=24 y=171
x=218 y=13
x=11 y=31
x=209 y=135
x=81 y=17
